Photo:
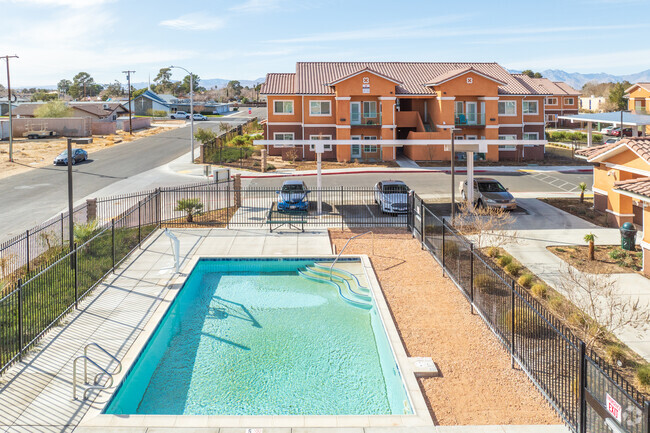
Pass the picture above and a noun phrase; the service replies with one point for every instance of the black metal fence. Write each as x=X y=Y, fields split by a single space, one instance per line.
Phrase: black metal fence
x=576 y=383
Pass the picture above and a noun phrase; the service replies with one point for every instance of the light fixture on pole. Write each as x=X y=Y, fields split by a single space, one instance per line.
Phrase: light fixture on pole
x=11 y=132
x=128 y=79
x=191 y=111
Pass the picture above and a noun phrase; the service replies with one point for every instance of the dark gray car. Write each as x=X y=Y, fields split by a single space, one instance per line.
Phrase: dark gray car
x=78 y=156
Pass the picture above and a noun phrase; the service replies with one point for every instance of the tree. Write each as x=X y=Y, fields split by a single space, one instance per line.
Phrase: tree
x=257 y=91
x=84 y=85
x=234 y=87
x=590 y=238
x=583 y=188
x=53 y=109
x=136 y=93
x=532 y=74
x=163 y=80
x=617 y=95
x=486 y=226
x=601 y=307
x=43 y=96
x=64 y=86
x=184 y=87
x=191 y=207
x=114 y=89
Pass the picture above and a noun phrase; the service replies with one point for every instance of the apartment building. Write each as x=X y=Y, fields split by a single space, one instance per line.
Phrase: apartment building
x=374 y=101
x=562 y=100
x=639 y=98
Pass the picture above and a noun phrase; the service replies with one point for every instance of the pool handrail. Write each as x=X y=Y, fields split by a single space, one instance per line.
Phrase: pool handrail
x=345 y=246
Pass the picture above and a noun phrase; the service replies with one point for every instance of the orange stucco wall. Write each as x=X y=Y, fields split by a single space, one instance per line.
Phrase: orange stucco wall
x=276 y=117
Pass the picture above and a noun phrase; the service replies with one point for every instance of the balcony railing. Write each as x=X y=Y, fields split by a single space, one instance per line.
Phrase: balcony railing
x=640 y=110
x=469 y=119
x=370 y=119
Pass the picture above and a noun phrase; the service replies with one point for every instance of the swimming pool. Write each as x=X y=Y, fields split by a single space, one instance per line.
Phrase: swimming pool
x=267 y=337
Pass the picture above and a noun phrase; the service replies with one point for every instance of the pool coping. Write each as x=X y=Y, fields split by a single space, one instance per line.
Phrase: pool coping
x=420 y=418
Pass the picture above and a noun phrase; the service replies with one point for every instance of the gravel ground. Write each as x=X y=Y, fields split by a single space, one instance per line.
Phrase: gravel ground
x=477 y=385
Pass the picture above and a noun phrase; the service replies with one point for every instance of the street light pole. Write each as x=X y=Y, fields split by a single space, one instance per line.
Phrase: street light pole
x=191 y=112
x=453 y=177
x=128 y=79
x=11 y=131
x=70 y=207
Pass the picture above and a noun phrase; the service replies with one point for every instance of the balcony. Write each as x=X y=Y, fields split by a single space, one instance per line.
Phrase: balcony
x=469 y=120
x=365 y=119
x=640 y=110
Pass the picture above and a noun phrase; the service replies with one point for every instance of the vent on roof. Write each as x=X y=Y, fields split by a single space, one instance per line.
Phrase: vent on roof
x=106 y=107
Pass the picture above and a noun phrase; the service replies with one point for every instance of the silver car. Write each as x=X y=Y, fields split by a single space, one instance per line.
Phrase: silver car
x=489 y=192
x=392 y=196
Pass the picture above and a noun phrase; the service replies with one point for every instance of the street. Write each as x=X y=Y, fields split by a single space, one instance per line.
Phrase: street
x=34 y=196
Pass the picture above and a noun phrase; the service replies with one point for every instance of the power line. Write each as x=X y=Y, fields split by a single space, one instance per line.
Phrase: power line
x=128 y=78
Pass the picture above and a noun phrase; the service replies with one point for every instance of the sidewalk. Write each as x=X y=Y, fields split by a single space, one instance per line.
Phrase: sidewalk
x=531 y=252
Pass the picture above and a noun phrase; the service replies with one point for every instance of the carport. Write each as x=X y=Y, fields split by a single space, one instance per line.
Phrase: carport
x=616 y=118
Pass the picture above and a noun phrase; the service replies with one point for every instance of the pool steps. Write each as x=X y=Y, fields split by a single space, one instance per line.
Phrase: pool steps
x=362 y=301
x=343 y=273
x=359 y=292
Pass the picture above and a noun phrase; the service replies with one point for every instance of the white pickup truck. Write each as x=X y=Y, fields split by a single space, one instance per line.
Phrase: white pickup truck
x=180 y=115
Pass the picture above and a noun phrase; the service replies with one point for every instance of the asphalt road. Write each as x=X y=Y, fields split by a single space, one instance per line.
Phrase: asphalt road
x=32 y=197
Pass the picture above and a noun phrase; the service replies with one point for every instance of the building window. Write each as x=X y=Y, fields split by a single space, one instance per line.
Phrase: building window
x=369 y=109
x=369 y=148
x=551 y=101
x=282 y=107
x=459 y=107
x=568 y=101
x=320 y=108
x=328 y=147
x=507 y=108
x=283 y=136
x=531 y=135
x=529 y=107
x=550 y=117
x=507 y=137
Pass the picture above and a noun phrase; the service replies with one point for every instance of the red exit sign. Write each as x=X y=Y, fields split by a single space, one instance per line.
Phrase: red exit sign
x=613 y=407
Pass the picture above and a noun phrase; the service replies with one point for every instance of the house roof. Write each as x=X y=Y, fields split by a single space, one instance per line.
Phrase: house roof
x=645 y=86
x=449 y=75
x=313 y=78
x=279 y=84
x=546 y=86
x=568 y=90
x=639 y=145
x=639 y=186
x=362 y=70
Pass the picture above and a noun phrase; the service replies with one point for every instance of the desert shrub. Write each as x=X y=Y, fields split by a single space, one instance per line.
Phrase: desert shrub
x=504 y=260
x=616 y=355
x=483 y=282
x=490 y=286
x=643 y=374
x=526 y=323
x=84 y=232
x=191 y=207
x=576 y=319
x=513 y=268
x=270 y=167
x=539 y=290
x=256 y=164
x=556 y=303
x=451 y=249
x=432 y=229
x=525 y=280
x=493 y=252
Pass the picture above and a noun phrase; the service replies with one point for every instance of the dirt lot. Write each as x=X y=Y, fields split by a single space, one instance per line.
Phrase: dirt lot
x=477 y=386
x=584 y=210
x=603 y=263
x=38 y=153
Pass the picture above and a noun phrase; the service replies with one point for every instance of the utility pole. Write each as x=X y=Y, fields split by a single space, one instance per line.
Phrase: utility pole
x=128 y=79
x=11 y=131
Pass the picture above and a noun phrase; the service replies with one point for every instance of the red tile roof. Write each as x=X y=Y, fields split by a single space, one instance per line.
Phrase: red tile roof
x=279 y=84
x=456 y=72
x=570 y=91
x=640 y=186
x=638 y=145
x=544 y=85
x=314 y=77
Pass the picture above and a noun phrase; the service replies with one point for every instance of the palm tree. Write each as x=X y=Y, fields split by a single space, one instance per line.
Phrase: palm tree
x=191 y=207
x=583 y=188
x=590 y=238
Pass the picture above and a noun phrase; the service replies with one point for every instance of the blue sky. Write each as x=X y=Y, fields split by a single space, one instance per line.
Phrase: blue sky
x=245 y=39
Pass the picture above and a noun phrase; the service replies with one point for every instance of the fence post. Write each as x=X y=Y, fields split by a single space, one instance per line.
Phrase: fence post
x=582 y=384
x=237 y=186
x=443 y=247
x=158 y=206
x=113 y=242
x=139 y=224
x=646 y=415
x=27 y=237
x=422 y=224
x=341 y=207
x=62 y=231
x=76 y=278
x=512 y=324
x=471 y=278
x=20 y=318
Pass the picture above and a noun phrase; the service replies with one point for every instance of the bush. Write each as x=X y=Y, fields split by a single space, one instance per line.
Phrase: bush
x=556 y=303
x=539 y=290
x=525 y=280
x=504 y=260
x=191 y=207
x=643 y=374
x=451 y=249
x=526 y=323
x=617 y=253
x=270 y=167
x=84 y=232
x=493 y=252
x=616 y=355
x=432 y=229
x=513 y=269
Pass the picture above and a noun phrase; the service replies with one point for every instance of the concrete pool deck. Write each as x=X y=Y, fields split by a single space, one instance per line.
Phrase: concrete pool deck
x=36 y=393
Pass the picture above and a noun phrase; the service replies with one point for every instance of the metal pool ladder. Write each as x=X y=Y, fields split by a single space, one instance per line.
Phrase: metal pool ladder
x=345 y=246
x=102 y=372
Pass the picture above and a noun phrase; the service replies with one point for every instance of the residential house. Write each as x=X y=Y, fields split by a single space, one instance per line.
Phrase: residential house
x=639 y=99
x=149 y=101
x=593 y=103
x=622 y=185
x=15 y=101
x=404 y=101
x=98 y=111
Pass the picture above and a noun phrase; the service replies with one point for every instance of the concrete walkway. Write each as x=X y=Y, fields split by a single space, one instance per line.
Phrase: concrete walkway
x=406 y=162
x=36 y=394
x=545 y=226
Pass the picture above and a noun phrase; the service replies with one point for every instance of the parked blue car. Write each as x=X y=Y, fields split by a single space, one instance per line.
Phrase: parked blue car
x=293 y=196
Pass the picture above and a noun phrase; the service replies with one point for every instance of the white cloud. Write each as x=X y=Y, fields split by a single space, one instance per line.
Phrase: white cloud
x=625 y=61
x=61 y=3
x=195 y=21
x=255 y=6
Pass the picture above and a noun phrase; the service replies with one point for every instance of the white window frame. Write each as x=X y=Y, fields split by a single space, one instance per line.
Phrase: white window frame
x=550 y=117
x=536 y=134
x=363 y=110
x=275 y=135
x=506 y=137
x=320 y=102
x=461 y=105
x=549 y=99
x=365 y=146
x=326 y=147
x=506 y=102
x=524 y=103
x=569 y=103
x=283 y=101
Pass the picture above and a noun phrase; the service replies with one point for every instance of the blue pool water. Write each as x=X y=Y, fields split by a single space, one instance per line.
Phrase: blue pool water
x=253 y=337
